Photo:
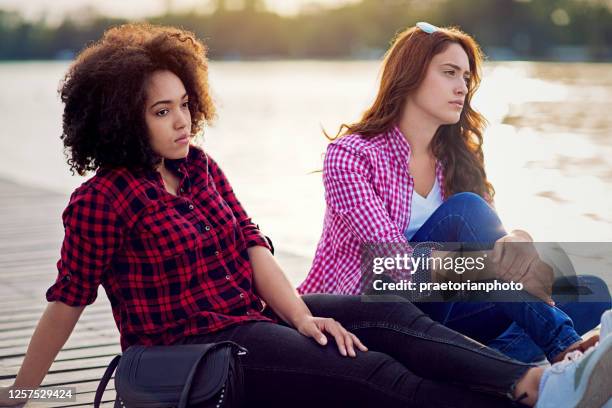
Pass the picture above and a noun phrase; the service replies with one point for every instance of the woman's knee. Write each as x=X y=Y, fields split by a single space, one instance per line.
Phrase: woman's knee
x=467 y=198
x=469 y=208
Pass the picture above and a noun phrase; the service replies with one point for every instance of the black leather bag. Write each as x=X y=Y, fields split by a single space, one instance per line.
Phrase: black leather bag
x=189 y=375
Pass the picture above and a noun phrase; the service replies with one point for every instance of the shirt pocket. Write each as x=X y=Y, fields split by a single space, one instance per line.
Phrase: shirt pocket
x=220 y=219
x=162 y=232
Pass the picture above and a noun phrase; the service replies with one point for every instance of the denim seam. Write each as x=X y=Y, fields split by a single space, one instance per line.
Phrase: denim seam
x=535 y=312
x=449 y=216
x=517 y=339
x=467 y=225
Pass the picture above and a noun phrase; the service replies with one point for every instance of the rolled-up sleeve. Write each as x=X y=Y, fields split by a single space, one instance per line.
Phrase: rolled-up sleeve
x=92 y=234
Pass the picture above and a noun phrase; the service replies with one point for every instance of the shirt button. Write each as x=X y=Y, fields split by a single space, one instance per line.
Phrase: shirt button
x=242 y=295
x=228 y=277
x=182 y=190
x=207 y=228
x=216 y=252
x=191 y=207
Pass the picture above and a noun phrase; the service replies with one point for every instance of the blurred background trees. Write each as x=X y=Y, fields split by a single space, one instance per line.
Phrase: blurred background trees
x=565 y=30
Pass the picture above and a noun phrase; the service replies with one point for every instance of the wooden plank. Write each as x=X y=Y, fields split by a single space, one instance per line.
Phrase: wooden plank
x=29 y=321
x=103 y=325
x=28 y=305
x=99 y=307
x=62 y=366
x=18 y=351
x=66 y=378
x=77 y=338
x=12 y=267
x=49 y=246
x=70 y=355
x=34 y=258
x=34 y=266
x=94 y=323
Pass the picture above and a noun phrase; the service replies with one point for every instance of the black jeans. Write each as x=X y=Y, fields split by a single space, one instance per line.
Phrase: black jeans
x=412 y=361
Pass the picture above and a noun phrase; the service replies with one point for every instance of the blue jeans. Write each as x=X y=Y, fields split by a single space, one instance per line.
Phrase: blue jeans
x=527 y=331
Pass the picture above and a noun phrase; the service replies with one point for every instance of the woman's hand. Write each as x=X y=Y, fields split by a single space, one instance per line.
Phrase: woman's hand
x=513 y=253
x=314 y=327
x=275 y=289
x=515 y=258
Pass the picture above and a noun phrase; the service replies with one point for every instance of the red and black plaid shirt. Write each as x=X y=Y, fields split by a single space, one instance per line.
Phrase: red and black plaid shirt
x=172 y=266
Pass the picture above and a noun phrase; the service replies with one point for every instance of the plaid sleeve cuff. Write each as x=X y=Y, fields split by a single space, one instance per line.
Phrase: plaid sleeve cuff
x=68 y=290
x=254 y=237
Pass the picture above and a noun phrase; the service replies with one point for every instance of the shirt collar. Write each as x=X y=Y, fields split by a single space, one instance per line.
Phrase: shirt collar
x=399 y=144
x=177 y=166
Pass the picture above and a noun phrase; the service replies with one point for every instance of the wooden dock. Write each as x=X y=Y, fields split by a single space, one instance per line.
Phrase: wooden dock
x=31 y=234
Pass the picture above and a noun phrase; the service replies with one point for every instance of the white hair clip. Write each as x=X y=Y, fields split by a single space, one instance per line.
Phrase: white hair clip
x=426 y=27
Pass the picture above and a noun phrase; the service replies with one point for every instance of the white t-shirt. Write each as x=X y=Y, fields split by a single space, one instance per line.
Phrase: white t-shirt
x=422 y=208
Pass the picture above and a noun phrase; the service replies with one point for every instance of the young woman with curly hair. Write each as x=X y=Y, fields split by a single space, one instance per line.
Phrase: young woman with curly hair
x=160 y=228
x=412 y=171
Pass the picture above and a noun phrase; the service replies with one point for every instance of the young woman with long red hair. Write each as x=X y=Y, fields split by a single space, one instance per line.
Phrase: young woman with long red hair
x=411 y=171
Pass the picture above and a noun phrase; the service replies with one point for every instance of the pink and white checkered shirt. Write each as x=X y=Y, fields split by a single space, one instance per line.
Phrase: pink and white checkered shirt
x=368 y=191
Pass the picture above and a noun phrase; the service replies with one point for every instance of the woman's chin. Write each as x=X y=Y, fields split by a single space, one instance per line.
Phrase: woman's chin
x=451 y=120
x=177 y=154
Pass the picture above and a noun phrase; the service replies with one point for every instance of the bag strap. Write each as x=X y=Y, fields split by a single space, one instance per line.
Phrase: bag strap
x=184 y=400
x=104 y=381
x=187 y=387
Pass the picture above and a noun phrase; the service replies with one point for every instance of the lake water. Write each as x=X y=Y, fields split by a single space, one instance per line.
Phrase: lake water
x=548 y=146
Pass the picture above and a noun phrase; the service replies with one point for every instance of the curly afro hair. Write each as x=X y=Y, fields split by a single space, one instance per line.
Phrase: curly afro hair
x=104 y=95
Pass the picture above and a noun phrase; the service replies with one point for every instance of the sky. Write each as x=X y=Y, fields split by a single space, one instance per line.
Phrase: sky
x=55 y=9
